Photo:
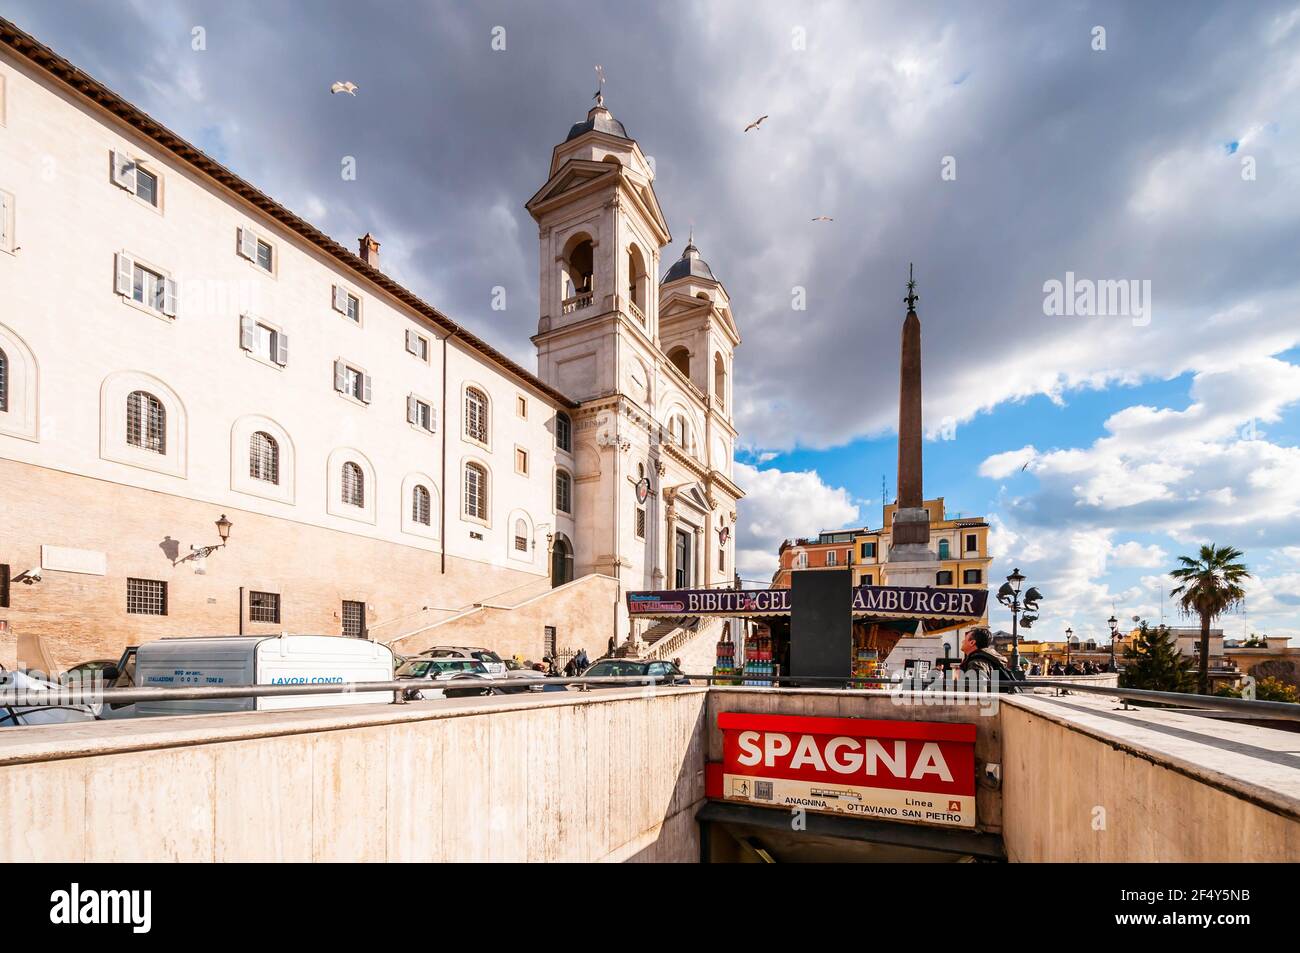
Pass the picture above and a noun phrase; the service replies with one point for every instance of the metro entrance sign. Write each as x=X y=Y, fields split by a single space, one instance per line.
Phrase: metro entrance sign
x=917 y=771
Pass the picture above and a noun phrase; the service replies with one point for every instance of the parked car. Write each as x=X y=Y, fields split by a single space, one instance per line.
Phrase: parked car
x=455 y=677
x=37 y=714
x=85 y=672
x=642 y=668
x=495 y=665
x=530 y=679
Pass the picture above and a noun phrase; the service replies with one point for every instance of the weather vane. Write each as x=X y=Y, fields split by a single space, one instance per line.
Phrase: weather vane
x=600 y=89
x=912 y=297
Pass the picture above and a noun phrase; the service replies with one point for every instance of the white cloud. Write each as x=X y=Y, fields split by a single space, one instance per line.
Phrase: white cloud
x=779 y=505
x=1002 y=465
x=1134 y=555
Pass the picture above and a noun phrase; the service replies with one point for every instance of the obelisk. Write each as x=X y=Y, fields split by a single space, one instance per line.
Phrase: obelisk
x=911 y=561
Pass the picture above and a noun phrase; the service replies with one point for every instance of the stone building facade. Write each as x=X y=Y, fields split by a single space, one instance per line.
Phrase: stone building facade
x=177 y=347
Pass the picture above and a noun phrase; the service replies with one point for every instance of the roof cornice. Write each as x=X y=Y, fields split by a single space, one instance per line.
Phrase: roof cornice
x=50 y=63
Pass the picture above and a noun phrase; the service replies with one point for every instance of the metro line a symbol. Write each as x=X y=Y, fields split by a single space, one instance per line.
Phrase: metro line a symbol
x=954 y=807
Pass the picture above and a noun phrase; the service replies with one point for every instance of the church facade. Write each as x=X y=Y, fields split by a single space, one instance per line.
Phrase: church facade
x=649 y=361
x=181 y=357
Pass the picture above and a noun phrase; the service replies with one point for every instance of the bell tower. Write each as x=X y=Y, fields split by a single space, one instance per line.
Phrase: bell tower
x=648 y=362
x=600 y=229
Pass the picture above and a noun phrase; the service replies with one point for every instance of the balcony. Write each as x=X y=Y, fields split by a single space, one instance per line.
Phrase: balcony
x=576 y=303
x=636 y=312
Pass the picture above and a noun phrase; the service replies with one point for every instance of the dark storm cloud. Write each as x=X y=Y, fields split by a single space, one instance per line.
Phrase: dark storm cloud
x=1110 y=164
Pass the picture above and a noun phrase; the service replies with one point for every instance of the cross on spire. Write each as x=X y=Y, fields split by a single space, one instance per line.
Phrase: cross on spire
x=912 y=297
x=600 y=88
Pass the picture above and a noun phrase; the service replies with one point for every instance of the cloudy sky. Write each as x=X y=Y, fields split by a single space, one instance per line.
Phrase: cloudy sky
x=1000 y=147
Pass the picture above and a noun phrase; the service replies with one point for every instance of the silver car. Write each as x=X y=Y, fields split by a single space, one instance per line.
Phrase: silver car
x=455 y=677
x=495 y=665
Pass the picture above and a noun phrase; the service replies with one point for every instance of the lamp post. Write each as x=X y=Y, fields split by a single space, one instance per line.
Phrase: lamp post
x=223 y=531
x=1009 y=596
x=1069 y=637
x=1114 y=634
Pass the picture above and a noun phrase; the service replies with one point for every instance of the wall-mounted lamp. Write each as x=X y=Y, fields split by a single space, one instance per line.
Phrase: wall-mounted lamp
x=223 y=530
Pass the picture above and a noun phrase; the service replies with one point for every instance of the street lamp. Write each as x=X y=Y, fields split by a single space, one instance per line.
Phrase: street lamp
x=1069 y=637
x=1009 y=596
x=223 y=531
x=1114 y=634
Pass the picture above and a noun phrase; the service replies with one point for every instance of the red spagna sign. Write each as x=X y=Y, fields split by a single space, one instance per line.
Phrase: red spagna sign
x=917 y=771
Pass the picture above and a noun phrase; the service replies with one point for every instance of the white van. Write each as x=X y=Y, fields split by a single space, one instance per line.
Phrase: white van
x=260 y=660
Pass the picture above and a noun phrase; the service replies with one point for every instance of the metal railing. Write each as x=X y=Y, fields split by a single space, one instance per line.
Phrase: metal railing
x=400 y=688
x=1286 y=711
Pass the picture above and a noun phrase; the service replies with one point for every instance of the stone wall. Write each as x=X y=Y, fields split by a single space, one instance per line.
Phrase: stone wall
x=584 y=613
x=141 y=532
x=612 y=775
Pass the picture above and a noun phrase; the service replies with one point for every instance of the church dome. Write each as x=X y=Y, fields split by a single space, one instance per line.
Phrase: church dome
x=598 y=120
x=690 y=265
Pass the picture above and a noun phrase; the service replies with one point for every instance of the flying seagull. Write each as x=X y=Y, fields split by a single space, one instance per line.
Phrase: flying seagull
x=349 y=88
x=823 y=218
x=756 y=123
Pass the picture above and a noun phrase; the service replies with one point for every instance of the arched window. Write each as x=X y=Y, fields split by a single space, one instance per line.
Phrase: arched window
x=4 y=382
x=564 y=432
x=354 y=485
x=679 y=432
x=719 y=380
x=681 y=359
x=579 y=271
x=521 y=536
x=636 y=282
x=475 y=491
x=264 y=457
x=561 y=560
x=943 y=549
x=421 y=506
x=563 y=491
x=476 y=414
x=146 y=422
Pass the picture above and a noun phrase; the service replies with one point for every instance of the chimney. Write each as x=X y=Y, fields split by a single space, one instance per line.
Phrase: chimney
x=369 y=250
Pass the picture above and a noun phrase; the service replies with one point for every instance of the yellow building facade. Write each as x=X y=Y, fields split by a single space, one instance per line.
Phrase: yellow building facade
x=960 y=543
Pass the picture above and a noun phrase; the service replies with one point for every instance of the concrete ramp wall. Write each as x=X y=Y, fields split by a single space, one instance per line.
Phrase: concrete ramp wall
x=611 y=775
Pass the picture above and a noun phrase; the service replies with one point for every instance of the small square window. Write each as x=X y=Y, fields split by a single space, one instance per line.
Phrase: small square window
x=521 y=461
x=146 y=597
x=147 y=287
x=264 y=607
x=422 y=414
x=354 y=383
x=264 y=255
x=146 y=186
x=521 y=406
x=354 y=308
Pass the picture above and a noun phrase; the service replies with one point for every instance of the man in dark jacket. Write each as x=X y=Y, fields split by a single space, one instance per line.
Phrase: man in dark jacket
x=986 y=663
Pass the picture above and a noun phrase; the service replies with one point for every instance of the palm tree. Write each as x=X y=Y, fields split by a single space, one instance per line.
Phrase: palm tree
x=1209 y=585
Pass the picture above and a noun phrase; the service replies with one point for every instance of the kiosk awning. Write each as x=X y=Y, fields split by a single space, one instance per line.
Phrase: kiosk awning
x=937 y=608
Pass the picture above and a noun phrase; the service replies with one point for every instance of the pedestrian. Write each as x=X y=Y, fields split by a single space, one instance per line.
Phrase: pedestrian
x=984 y=661
x=611 y=646
x=581 y=661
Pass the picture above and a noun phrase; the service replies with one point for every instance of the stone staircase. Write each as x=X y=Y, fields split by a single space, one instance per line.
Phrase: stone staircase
x=684 y=637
